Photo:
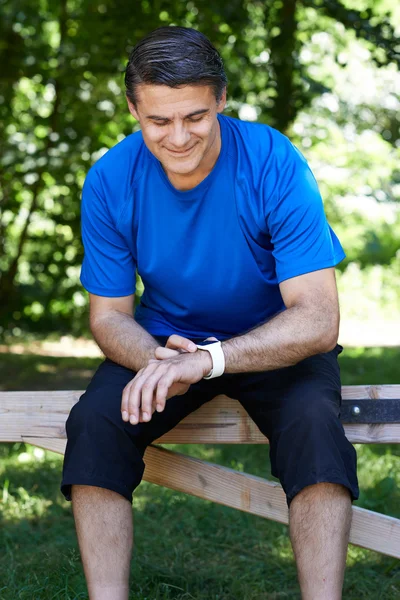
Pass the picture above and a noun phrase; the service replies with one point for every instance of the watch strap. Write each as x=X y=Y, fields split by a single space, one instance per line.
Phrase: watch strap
x=217 y=357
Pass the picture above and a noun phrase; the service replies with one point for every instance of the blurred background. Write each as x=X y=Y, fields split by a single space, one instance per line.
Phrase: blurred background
x=325 y=73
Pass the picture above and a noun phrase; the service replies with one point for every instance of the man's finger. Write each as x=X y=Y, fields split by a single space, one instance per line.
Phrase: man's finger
x=163 y=386
x=134 y=403
x=125 y=398
x=161 y=353
x=178 y=342
x=153 y=409
x=147 y=394
x=134 y=394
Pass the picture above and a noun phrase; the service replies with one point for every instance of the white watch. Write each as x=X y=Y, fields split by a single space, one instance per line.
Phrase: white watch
x=217 y=357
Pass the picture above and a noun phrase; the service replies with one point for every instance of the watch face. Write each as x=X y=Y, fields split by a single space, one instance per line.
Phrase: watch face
x=208 y=342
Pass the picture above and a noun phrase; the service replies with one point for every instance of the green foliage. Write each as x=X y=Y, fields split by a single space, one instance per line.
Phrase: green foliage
x=62 y=106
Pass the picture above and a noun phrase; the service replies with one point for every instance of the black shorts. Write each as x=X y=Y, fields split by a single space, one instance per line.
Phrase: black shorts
x=297 y=408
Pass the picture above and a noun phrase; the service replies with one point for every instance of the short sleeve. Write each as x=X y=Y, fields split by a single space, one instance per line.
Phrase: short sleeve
x=108 y=267
x=301 y=237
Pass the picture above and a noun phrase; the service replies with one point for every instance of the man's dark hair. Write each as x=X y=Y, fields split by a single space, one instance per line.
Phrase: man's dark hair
x=174 y=56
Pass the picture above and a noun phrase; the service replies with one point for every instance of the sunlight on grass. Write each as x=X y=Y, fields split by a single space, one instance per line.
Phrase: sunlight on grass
x=282 y=548
x=372 y=468
x=379 y=479
x=356 y=555
x=204 y=452
x=21 y=504
x=359 y=351
x=42 y=368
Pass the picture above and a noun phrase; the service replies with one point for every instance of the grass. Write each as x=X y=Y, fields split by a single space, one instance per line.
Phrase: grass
x=185 y=548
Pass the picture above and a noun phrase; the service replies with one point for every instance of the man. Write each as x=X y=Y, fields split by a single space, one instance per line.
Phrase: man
x=225 y=224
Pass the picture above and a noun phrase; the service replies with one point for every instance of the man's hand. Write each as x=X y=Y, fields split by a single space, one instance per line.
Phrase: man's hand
x=176 y=344
x=160 y=380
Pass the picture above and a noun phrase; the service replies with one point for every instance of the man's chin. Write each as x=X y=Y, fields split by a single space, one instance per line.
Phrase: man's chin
x=180 y=167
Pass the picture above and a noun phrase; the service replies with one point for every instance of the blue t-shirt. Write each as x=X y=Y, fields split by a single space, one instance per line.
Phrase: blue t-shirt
x=210 y=258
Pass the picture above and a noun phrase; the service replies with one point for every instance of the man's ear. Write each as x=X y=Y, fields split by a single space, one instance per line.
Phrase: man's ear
x=222 y=102
x=132 y=109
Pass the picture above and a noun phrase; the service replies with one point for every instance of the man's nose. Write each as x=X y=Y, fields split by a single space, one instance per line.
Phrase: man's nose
x=179 y=136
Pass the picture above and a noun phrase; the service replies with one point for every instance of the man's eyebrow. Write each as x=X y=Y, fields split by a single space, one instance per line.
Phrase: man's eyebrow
x=201 y=111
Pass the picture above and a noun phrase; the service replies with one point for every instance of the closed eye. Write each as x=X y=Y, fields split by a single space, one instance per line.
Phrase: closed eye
x=190 y=119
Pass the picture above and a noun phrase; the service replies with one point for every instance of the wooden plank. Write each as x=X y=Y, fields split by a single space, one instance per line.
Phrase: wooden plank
x=257 y=496
x=221 y=421
x=382 y=433
x=41 y=414
x=53 y=444
x=357 y=434
x=216 y=483
x=370 y=392
x=349 y=392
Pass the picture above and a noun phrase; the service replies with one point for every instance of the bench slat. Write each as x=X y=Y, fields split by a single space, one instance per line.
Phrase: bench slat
x=53 y=444
x=349 y=392
x=42 y=415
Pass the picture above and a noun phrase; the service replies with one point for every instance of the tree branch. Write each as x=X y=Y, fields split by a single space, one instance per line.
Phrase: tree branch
x=381 y=34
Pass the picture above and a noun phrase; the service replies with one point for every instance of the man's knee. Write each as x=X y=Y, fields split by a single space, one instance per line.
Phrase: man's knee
x=96 y=410
x=88 y=409
x=322 y=491
x=311 y=448
x=100 y=450
x=315 y=408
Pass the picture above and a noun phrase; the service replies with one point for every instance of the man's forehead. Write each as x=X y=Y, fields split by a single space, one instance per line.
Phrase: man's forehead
x=166 y=101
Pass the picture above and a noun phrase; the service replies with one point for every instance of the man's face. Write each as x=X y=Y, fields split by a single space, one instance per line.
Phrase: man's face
x=179 y=125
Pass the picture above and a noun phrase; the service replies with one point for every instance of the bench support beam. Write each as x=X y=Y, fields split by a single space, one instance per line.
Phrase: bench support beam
x=257 y=496
x=248 y=493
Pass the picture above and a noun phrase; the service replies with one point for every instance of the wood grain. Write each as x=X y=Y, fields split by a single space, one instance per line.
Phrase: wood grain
x=257 y=496
x=221 y=421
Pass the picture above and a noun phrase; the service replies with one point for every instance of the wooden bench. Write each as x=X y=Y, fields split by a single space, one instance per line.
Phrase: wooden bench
x=371 y=414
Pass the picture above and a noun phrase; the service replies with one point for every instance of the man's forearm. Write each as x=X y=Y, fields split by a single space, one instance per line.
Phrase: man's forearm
x=123 y=340
x=285 y=340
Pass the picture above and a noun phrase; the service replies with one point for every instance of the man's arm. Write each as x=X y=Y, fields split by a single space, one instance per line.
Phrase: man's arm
x=309 y=326
x=126 y=342
x=118 y=335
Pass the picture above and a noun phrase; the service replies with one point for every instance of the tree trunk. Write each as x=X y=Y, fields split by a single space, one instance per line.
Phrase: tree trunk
x=283 y=61
x=7 y=288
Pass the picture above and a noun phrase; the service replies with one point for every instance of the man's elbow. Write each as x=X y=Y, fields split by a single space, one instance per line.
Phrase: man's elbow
x=329 y=337
x=99 y=323
x=94 y=323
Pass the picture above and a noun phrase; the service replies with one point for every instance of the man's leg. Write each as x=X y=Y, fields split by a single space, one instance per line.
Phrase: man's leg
x=320 y=519
x=298 y=409
x=103 y=464
x=104 y=527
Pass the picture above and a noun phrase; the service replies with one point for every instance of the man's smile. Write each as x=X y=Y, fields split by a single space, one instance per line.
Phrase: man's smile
x=181 y=152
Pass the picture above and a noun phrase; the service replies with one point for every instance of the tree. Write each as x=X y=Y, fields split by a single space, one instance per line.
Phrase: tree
x=62 y=105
